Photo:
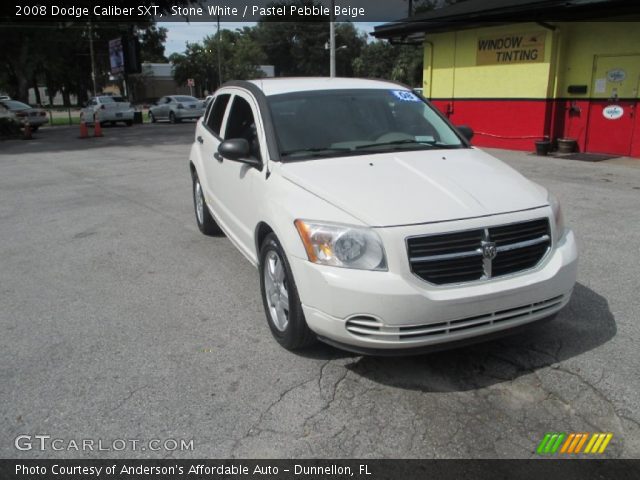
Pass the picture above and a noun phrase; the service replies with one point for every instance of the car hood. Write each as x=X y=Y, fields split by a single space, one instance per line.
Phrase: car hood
x=403 y=188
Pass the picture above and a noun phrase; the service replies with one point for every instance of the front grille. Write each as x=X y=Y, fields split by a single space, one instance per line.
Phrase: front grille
x=471 y=255
x=367 y=327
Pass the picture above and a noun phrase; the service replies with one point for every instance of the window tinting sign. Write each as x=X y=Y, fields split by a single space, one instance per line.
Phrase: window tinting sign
x=612 y=112
x=525 y=47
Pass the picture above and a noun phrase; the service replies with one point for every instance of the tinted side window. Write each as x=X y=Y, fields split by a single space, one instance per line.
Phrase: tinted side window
x=241 y=124
x=214 y=120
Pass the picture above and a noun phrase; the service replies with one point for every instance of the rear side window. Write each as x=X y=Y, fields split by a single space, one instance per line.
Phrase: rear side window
x=214 y=121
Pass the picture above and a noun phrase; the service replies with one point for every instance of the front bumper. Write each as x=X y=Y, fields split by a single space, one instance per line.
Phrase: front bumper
x=370 y=311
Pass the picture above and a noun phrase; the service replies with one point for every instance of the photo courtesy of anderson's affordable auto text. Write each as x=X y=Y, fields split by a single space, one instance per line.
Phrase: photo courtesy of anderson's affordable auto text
x=328 y=239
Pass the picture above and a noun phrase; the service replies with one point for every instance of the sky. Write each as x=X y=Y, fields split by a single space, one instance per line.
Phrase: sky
x=179 y=33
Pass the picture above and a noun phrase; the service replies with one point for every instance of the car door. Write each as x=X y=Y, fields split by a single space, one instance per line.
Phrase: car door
x=161 y=109
x=89 y=110
x=208 y=137
x=170 y=106
x=232 y=183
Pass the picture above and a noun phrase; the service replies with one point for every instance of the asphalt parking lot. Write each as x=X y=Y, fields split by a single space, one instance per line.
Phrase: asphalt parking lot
x=120 y=320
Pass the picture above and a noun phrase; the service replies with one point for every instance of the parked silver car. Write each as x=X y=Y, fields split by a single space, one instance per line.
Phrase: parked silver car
x=23 y=113
x=176 y=108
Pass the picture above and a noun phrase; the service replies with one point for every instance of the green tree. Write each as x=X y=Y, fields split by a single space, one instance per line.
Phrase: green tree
x=240 y=58
x=56 y=54
x=380 y=59
x=152 y=42
x=296 y=47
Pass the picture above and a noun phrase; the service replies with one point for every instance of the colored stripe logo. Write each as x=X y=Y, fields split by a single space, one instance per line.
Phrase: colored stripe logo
x=573 y=443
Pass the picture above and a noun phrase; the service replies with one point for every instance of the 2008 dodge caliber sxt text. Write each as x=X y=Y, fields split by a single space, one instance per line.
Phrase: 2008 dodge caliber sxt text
x=375 y=226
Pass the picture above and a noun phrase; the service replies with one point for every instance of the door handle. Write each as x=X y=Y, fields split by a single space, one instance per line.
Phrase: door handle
x=218 y=157
x=199 y=139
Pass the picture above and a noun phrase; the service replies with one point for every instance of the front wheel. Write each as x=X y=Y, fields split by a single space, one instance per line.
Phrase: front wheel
x=172 y=118
x=280 y=298
x=204 y=219
x=152 y=117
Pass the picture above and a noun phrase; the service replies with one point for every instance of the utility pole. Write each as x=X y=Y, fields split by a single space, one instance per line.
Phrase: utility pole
x=219 y=55
x=93 y=59
x=332 y=41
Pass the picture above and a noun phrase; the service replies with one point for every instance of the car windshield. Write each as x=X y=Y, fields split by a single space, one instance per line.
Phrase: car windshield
x=14 y=105
x=330 y=123
x=184 y=98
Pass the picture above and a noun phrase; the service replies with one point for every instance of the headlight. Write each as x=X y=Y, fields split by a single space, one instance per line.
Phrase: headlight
x=557 y=214
x=342 y=245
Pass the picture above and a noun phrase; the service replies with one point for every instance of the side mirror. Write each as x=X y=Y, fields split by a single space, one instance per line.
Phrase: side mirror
x=466 y=131
x=238 y=150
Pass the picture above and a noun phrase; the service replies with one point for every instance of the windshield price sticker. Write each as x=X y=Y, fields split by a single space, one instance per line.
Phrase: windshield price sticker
x=405 y=96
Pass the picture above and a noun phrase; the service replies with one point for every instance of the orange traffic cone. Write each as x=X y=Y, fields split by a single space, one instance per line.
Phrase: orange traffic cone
x=27 y=131
x=97 y=132
x=84 y=131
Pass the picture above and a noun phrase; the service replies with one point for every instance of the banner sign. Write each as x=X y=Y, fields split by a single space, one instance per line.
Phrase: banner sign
x=116 y=56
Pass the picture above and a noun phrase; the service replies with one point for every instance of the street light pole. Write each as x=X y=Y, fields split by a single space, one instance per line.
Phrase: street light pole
x=93 y=59
x=332 y=42
x=219 y=57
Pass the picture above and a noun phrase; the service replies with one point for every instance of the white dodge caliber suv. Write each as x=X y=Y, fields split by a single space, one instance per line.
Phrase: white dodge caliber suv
x=375 y=226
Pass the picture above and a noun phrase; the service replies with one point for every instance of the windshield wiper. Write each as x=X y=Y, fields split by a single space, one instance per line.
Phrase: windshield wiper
x=444 y=145
x=406 y=141
x=395 y=142
x=314 y=151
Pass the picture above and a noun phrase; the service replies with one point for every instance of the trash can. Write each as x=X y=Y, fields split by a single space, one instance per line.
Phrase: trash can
x=137 y=117
x=543 y=147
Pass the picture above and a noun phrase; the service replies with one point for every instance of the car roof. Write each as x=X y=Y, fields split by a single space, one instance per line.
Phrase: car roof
x=276 y=86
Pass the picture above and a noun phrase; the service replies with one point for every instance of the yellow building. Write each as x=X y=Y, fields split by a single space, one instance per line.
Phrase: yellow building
x=516 y=81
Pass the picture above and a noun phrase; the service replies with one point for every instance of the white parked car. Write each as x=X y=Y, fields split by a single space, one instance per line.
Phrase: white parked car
x=176 y=108
x=374 y=224
x=108 y=109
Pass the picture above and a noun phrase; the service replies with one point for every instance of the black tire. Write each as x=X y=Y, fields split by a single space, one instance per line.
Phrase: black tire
x=296 y=335
x=172 y=118
x=128 y=123
x=152 y=118
x=35 y=129
x=206 y=224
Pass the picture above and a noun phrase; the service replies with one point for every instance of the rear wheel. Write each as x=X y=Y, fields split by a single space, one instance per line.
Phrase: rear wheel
x=204 y=219
x=280 y=298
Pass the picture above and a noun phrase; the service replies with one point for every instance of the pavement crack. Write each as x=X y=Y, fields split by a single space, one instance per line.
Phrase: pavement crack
x=128 y=397
x=255 y=425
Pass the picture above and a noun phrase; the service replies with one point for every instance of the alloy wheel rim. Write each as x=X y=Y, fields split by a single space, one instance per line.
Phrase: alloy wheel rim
x=276 y=291
x=199 y=203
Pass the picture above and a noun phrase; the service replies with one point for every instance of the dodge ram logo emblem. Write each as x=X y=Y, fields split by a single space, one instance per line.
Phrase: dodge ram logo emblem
x=489 y=250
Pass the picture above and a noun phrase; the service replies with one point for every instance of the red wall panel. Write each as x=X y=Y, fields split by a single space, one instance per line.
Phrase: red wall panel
x=503 y=123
